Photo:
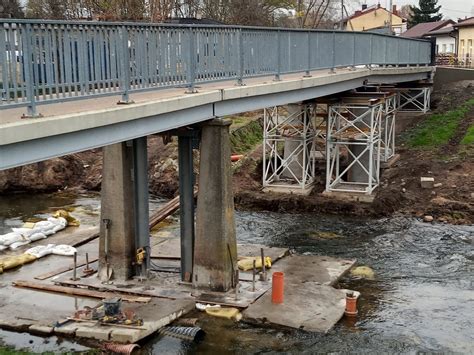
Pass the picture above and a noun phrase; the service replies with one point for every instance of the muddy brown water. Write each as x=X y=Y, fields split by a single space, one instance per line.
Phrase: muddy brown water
x=421 y=300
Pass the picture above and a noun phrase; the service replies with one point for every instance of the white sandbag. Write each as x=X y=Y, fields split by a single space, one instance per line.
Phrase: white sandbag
x=62 y=221
x=10 y=238
x=65 y=250
x=48 y=232
x=43 y=224
x=37 y=236
x=16 y=245
x=41 y=250
x=58 y=228
x=26 y=232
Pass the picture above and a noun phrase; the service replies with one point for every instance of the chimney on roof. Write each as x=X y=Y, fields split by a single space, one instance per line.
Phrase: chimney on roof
x=394 y=9
x=364 y=7
x=357 y=13
x=378 y=6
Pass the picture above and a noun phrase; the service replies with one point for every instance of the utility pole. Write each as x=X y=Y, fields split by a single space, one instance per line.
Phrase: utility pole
x=390 y=17
x=342 y=15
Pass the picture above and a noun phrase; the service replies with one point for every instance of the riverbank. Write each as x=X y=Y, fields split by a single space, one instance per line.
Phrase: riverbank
x=438 y=145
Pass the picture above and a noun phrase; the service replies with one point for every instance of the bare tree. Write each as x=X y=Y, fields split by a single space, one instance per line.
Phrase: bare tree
x=11 y=9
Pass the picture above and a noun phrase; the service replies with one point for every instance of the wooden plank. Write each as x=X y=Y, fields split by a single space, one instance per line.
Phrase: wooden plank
x=168 y=209
x=78 y=291
x=62 y=270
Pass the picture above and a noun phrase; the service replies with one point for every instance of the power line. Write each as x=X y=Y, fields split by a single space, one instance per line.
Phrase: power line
x=460 y=11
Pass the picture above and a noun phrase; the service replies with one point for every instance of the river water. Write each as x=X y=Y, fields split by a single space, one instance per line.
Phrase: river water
x=421 y=299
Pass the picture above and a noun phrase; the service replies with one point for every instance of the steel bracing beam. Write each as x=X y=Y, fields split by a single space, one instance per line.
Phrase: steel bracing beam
x=414 y=99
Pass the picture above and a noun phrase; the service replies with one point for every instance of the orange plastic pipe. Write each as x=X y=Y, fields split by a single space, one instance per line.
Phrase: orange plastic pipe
x=277 y=287
x=351 y=305
x=236 y=157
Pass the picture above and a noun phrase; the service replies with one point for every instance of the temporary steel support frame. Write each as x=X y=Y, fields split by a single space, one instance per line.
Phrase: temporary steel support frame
x=297 y=128
x=346 y=132
x=187 y=141
x=416 y=99
x=140 y=182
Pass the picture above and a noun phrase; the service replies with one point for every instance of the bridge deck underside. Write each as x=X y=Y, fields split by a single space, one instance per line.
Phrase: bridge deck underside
x=78 y=125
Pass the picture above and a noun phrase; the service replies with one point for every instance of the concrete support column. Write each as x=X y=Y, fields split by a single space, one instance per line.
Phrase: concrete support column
x=186 y=205
x=117 y=245
x=215 y=253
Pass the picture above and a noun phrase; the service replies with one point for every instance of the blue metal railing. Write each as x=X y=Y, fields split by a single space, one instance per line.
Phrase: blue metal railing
x=45 y=61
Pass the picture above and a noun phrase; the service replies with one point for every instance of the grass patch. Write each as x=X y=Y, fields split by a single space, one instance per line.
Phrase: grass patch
x=469 y=137
x=246 y=138
x=438 y=129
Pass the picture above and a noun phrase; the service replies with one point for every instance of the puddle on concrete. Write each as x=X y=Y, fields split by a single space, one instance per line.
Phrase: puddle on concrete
x=421 y=299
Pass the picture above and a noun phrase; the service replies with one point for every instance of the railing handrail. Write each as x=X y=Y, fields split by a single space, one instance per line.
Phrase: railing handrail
x=48 y=60
x=179 y=25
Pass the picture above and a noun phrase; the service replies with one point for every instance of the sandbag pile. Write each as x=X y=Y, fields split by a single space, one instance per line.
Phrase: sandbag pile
x=41 y=230
x=35 y=253
x=31 y=232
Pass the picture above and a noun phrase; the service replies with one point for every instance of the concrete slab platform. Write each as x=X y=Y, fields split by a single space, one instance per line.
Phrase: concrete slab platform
x=310 y=303
x=349 y=196
x=288 y=190
x=310 y=307
x=323 y=270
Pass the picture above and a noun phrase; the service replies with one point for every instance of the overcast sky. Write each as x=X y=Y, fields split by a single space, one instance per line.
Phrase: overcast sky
x=452 y=9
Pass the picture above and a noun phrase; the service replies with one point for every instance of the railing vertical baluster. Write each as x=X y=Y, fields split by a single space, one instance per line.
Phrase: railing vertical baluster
x=398 y=52
x=308 y=68
x=191 y=72
x=28 y=63
x=371 y=60
x=333 y=65
x=354 y=51
x=278 y=56
x=240 y=79
x=408 y=62
x=126 y=65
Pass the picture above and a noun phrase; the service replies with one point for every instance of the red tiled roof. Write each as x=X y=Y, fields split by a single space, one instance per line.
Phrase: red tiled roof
x=441 y=31
x=467 y=22
x=422 y=29
x=370 y=9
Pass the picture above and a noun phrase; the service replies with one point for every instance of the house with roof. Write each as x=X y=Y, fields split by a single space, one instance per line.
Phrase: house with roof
x=375 y=18
x=465 y=34
x=446 y=39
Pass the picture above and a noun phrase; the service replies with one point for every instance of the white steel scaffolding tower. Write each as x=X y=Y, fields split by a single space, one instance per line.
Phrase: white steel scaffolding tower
x=415 y=99
x=354 y=131
x=288 y=144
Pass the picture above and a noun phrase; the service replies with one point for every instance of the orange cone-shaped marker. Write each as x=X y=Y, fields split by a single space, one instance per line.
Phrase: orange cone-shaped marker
x=277 y=287
x=351 y=305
